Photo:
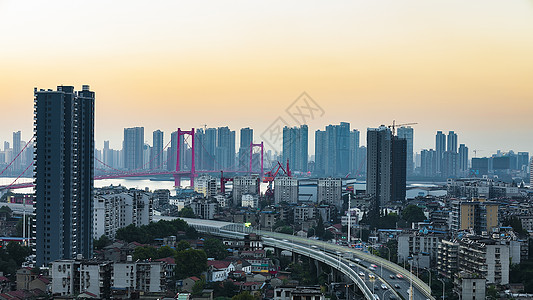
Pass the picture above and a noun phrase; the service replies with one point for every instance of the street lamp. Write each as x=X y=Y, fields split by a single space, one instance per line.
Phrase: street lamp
x=429 y=273
x=443 y=285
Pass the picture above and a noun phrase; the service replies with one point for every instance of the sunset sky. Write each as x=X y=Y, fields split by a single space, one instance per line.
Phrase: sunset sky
x=455 y=65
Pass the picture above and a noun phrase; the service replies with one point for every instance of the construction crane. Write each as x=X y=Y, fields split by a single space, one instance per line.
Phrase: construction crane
x=476 y=151
x=223 y=182
x=394 y=125
x=271 y=175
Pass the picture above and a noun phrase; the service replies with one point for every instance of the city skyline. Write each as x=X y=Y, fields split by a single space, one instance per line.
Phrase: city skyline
x=446 y=65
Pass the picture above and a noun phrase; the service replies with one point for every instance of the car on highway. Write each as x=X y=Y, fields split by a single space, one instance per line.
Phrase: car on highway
x=357 y=260
x=392 y=276
x=372 y=268
x=397 y=286
x=352 y=265
x=399 y=276
x=376 y=297
x=371 y=276
x=361 y=274
x=384 y=286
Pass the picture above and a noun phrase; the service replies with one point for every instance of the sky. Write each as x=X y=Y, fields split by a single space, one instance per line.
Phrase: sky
x=446 y=65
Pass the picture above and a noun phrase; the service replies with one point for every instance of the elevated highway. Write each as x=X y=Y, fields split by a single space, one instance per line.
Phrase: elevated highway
x=352 y=263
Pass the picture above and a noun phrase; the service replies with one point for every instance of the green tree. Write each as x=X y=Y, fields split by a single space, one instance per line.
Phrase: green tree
x=516 y=224
x=285 y=229
x=145 y=252
x=229 y=289
x=190 y=262
x=243 y=296
x=186 y=212
x=214 y=248
x=183 y=245
x=6 y=209
x=198 y=287
x=319 y=228
x=191 y=233
x=412 y=214
x=165 y=251
x=102 y=242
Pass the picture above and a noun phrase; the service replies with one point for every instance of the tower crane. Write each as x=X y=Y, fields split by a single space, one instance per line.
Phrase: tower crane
x=394 y=125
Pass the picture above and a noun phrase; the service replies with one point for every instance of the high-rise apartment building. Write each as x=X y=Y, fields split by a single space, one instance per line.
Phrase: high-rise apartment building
x=329 y=191
x=440 y=148
x=407 y=133
x=355 y=162
x=64 y=169
x=295 y=147
x=247 y=137
x=452 y=142
x=242 y=185
x=332 y=150
x=386 y=166
x=133 y=147
x=285 y=189
x=398 y=169
x=16 y=149
x=225 y=148
x=156 y=155
x=463 y=159
x=428 y=163
x=480 y=216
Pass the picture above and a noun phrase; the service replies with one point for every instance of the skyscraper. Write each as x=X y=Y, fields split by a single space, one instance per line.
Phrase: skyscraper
x=386 y=168
x=247 y=137
x=463 y=159
x=428 y=162
x=156 y=155
x=225 y=148
x=64 y=169
x=354 y=152
x=133 y=148
x=407 y=133
x=378 y=174
x=332 y=150
x=398 y=169
x=295 y=147
x=440 y=148
x=16 y=150
x=452 y=142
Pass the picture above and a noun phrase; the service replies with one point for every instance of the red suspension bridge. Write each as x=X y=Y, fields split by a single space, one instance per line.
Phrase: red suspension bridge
x=191 y=172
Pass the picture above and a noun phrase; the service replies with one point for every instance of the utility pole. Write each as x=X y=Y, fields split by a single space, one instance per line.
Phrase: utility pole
x=349 y=219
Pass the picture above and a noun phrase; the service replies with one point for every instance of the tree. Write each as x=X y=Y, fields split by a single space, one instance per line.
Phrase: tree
x=183 y=245
x=198 y=287
x=243 y=296
x=516 y=224
x=6 y=209
x=191 y=233
x=145 y=252
x=412 y=214
x=214 y=248
x=319 y=228
x=17 y=252
x=190 y=262
x=186 y=212
x=165 y=251
x=102 y=242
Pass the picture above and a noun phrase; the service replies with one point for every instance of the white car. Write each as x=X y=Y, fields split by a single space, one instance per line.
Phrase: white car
x=384 y=286
x=361 y=274
x=372 y=268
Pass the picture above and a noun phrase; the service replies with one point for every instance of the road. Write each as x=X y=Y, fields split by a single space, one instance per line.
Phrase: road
x=343 y=254
x=362 y=261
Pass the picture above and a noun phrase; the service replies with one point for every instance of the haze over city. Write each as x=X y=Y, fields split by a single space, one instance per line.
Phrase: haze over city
x=447 y=65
